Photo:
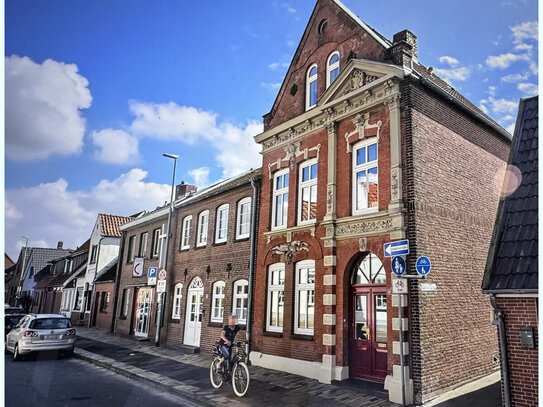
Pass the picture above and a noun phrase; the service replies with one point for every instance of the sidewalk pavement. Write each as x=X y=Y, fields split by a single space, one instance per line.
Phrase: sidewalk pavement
x=187 y=375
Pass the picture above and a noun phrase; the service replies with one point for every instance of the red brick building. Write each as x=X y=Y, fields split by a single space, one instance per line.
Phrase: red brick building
x=364 y=145
x=512 y=268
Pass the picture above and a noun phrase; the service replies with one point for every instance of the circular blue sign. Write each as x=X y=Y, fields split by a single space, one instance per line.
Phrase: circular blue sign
x=398 y=265
x=423 y=265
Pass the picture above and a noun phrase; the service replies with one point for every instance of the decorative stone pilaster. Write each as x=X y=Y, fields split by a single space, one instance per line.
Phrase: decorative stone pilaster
x=393 y=103
x=332 y=172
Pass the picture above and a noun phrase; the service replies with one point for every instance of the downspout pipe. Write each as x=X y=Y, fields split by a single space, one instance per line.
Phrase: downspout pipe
x=255 y=183
x=117 y=283
x=499 y=322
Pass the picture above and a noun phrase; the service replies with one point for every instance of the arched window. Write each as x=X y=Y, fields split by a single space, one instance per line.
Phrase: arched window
x=369 y=270
x=217 y=302
x=176 y=304
x=241 y=296
x=332 y=68
x=311 y=87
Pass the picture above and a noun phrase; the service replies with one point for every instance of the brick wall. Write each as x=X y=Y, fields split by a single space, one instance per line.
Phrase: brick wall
x=523 y=362
x=452 y=180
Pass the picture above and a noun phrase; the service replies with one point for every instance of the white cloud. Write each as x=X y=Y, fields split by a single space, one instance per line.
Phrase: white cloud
x=505 y=60
x=491 y=90
x=516 y=77
x=529 y=89
x=524 y=47
x=52 y=211
x=271 y=86
x=452 y=62
x=276 y=65
x=115 y=147
x=499 y=106
x=483 y=107
x=506 y=118
x=291 y=43
x=524 y=31
x=200 y=176
x=43 y=108
x=291 y=10
x=511 y=128
x=453 y=74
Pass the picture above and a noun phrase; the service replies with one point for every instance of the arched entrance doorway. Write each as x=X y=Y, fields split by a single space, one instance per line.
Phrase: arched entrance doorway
x=193 y=320
x=368 y=317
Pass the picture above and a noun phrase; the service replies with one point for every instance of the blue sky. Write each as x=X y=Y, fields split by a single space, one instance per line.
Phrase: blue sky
x=97 y=90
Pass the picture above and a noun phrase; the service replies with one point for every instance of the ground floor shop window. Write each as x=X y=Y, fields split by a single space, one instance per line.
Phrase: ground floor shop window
x=104 y=301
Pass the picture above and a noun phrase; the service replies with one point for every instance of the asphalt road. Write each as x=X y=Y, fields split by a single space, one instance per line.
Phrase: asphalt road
x=49 y=380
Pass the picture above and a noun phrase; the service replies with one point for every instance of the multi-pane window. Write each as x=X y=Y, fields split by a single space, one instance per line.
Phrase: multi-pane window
x=185 y=234
x=307 y=199
x=365 y=180
x=104 y=301
x=280 y=200
x=217 y=302
x=125 y=302
x=311 y=87
x=176 y=304
x=222 y=224
x=369 y=270
x=243 y=223
x=276 y=297
x=241 y=298
x=131 y=249
x=143 y=244
x=332 y=68
x=156 y=243
x=203 y=223
x=304 y=317
x=94 y=252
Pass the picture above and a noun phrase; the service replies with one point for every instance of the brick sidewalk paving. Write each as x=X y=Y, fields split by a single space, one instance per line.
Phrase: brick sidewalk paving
x=187 y=374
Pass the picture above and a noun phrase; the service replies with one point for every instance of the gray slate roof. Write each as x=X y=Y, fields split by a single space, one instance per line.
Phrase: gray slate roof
x=512 y=260
x=39 y=257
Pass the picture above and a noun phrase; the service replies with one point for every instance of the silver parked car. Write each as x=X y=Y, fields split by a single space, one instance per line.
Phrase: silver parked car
x=41 y=332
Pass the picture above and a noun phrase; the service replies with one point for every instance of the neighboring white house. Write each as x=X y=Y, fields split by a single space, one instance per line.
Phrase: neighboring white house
x=104 y=247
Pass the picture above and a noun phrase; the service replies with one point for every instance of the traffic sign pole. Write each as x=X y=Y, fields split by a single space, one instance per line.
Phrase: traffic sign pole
x=400 y=326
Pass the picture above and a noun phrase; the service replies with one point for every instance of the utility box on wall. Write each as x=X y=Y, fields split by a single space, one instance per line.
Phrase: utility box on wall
x=527 y=337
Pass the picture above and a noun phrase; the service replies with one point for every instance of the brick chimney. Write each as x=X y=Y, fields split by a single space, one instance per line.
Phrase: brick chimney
x=404 y=48
x=59 y=245
x=183 y=190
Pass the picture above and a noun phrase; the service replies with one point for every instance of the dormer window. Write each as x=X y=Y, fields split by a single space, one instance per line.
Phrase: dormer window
x=311 y=87
x=332 y=68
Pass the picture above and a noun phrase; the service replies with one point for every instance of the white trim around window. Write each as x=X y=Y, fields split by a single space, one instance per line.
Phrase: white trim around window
x=332 y=68
x=276 y=297
x=203 y=225
x=304 y=308
x=280 y=199
x=307 y=191
x=177 y=298
x=240 y=300
x=217 y=301
x=185 y=234
x=311 y=87
x=221 y=229
x=243 y=221
x=365 y=188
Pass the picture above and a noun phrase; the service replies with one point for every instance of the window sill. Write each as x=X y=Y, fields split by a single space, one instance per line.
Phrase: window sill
x=202 y=246
x=302 y=337
x=365 y=212
x=273 y=334
x=222 y=243
x=310 y=222
x=242 y=239
x=184 y=249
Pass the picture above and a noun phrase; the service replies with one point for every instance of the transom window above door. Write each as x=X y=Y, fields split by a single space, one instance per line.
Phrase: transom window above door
x=369 y=270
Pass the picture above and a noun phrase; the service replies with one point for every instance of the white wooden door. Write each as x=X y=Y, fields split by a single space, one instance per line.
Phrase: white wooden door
x=143 y=311
x=193 y=320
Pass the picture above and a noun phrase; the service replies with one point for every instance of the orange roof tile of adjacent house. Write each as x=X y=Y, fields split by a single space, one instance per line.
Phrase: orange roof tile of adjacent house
x=109 y=224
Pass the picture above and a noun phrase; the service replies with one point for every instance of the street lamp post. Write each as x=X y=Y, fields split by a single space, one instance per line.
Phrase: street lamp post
x=21 y=281
x=164 y=260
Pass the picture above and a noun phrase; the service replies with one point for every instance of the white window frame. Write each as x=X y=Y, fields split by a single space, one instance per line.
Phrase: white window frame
x=307 y=184
x=330 y=68
x=217 y=295
x=177 y=301
x=203 y=228
x=144 y=237
x=219 y=226
x=243 y=296
x=279 y=192
x=308 y=81
x=155 y=244
x=366 y=166
x=241 y=203
x=185 y=234
x=131 y=255
x=303 y=287
x=125 y=305
x=276 y=267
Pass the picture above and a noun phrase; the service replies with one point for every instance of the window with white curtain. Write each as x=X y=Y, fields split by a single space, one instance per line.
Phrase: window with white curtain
x=276 y=297
x=365 y=177
x=241 y=297
x=304 y=315
x=217 y=302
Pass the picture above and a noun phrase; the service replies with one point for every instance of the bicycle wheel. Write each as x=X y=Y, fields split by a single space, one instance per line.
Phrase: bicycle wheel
x=240 y=379
x=214 y=376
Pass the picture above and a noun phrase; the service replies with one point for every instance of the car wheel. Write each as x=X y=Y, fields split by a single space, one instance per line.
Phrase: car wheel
x=16 y=355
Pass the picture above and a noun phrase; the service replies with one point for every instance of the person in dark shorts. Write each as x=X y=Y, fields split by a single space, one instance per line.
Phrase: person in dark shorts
x=227 y=337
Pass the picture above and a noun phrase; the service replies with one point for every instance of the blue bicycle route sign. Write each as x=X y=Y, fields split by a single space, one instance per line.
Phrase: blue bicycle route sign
x=398 y=265
x=423 y=265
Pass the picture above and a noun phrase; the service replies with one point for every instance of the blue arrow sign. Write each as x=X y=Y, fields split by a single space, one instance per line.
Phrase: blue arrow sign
x=151 y=272
x=423 y=265
x=398 y=265
x=398 y=248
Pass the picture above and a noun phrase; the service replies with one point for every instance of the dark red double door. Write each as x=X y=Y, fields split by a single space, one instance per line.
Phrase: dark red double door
x=368 y=332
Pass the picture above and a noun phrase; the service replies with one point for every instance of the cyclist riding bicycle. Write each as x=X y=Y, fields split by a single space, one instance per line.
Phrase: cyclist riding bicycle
x=225 y=344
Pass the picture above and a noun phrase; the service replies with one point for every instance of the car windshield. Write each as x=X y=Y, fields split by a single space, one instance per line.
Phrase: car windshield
x=51 y=323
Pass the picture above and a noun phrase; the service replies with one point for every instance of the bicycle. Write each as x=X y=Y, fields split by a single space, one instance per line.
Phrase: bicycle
x=237 y=370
